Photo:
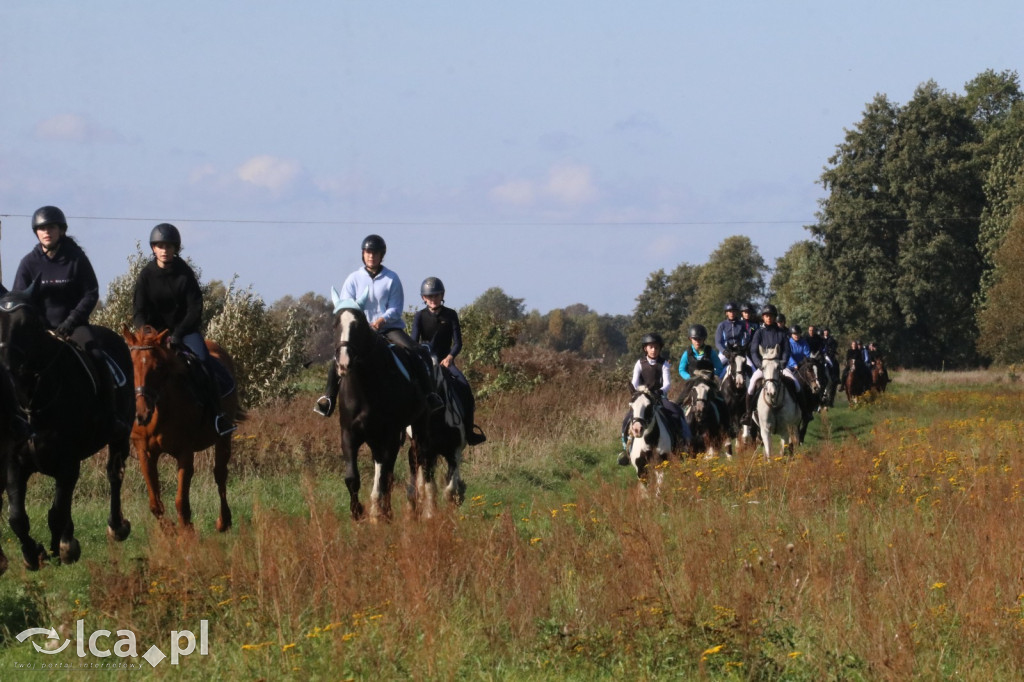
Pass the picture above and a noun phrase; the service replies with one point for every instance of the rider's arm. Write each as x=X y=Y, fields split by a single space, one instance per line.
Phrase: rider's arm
x=636 y=376
x=683 y=362
x=666 y=379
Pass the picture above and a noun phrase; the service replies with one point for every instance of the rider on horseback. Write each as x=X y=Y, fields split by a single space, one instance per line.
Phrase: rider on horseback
x=652 y=371
x=168 y=296
x=383 y=308
x=731 y=334
x=799 y=350
x=699 y=362
x=438 y=326
x=766 y=337
x=67 y=293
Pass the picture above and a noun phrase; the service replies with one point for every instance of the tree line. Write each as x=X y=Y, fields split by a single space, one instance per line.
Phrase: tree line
x=918 y=245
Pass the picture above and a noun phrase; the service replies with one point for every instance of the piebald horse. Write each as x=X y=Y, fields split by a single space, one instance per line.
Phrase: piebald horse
x=650 y=438
x=734 y=392
x=777 y=411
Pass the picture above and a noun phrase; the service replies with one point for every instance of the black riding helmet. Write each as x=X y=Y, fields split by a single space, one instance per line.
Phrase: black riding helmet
x=432 y=286
x=376 y=244
x=747 y=308
x=769 y=310
x=654 y=338
x=699 y=332
x=48 y=215
x=795 y=329
x=730 y=306
x=166 y=233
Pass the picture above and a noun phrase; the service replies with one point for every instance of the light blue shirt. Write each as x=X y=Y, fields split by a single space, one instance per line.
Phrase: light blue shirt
x=385 y=297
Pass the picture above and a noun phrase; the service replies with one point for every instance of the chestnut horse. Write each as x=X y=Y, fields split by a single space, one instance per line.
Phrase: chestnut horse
x=170 y=418
x=55 y=412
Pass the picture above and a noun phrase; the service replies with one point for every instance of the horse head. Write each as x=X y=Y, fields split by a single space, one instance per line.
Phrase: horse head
x=736 y=373
x=353 y=336
x=152 y=356
x=699 y=399
x=22 y=327
x=772 y=372
x=641 y=407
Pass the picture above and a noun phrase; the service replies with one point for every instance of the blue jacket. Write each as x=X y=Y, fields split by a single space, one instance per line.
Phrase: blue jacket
x=798 y=350
x=730 y=333
x=691 y=360
x=766 y=337
x=386 y=298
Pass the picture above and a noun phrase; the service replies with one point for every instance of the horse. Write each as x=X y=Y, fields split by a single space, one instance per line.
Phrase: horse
x=879 y=375
x=377 y=399
x=854 y=383
x=651 y=440
x=813 y=375
x=169 y=417
x=445 y=436
x=828 y=397
x=708 y=425
x=734 y=393
x=63 y=407
x=777 y=411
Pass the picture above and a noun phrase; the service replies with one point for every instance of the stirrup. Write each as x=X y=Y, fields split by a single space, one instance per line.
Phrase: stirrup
x=218 y=425
x=324 y=406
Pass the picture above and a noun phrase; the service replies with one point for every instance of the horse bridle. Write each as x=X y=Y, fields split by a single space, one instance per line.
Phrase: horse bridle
x=143 y=391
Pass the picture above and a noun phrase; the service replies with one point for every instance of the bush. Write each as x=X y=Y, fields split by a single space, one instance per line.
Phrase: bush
x=267 y=349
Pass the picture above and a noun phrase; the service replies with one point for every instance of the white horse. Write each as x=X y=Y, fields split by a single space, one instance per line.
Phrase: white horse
x=777 y=411
x=650 y=440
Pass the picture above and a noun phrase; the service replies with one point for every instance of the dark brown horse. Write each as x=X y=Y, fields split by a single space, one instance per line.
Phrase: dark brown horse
x=445 y=437
x=55 y=411
x=854 y=382
x=171 y=417
x=879 y=375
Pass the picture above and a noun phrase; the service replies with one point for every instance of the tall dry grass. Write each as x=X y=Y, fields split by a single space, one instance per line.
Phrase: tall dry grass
x=893 y=556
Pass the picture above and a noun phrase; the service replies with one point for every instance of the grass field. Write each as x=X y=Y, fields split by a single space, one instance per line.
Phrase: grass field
x=887 y=548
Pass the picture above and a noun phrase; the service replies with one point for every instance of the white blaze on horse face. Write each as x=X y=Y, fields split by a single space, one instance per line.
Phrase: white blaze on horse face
x=639 y=407
x=346 y=324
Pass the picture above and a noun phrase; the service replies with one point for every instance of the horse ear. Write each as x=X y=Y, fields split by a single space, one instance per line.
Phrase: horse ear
x=363 y=298
x=162 y=339
x=31 y=290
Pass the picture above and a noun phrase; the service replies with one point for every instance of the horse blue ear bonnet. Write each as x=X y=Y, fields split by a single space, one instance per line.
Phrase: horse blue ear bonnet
x=343 y=303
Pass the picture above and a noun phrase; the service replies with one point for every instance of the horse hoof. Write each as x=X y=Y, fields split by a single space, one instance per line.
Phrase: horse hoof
x=120 y=534
x=35 y=557
x=223 y=525
x=70 y=551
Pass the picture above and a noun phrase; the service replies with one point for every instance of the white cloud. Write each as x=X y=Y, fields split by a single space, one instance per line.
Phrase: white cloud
x=73 y=128
x=571 y=184
x=514 y=192
x=270 y=172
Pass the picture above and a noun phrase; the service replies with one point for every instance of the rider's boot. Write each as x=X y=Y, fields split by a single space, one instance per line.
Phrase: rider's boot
x=474 y=434
x=325 y=403
x=624 y=454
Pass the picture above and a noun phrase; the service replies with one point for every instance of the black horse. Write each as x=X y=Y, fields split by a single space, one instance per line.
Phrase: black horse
x=734 y=393
x=61 y=415
x=445 y=436
x=706 y=416
x=377 y=399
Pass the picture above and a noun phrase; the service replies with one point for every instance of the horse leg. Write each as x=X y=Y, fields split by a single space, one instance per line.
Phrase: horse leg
x=31 y=551
x=455 y=489
x=62 y=527
x=183 y=501
x=350 y=449
x=221 y=457
x=3 y=486
x=150 y=472
x=118 y=527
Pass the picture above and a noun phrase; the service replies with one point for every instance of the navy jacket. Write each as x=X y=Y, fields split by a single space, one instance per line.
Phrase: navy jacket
x=766 y=337
x=67 y=290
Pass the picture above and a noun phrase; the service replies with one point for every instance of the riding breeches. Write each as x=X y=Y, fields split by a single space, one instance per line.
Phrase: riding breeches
x=759 y=375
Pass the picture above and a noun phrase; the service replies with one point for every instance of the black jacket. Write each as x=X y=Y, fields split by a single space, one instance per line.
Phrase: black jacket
x=67 y=290
x=168 y=298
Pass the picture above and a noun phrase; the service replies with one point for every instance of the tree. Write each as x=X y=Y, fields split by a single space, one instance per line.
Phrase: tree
x=665 y=302
x=734 y=272
x=497 y=304
x=1002 y=334
x=796 y=286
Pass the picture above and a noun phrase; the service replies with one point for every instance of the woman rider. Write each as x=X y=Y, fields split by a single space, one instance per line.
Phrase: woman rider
x=67 y=292
x=438 y=326
x=168 y=296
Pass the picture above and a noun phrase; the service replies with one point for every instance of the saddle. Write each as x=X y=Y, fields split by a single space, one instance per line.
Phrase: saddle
x=88 y=362
x=205 y=382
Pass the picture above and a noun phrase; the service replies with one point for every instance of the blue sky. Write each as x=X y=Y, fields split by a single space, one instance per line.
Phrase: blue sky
x=559 y=150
